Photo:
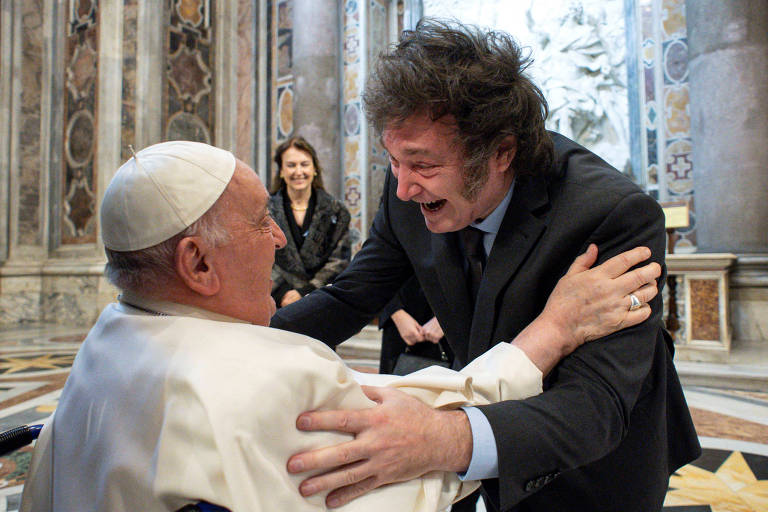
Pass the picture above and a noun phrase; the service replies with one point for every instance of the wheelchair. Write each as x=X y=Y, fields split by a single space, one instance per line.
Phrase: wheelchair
x=18 y=437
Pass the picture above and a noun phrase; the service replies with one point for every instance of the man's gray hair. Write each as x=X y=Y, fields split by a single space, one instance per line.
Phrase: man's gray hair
x=146 y=269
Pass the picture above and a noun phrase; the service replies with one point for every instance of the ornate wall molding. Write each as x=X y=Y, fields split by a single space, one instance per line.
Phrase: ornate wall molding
x=80 y=124
x=279 y=75
x=189 y=107
x=354 y=129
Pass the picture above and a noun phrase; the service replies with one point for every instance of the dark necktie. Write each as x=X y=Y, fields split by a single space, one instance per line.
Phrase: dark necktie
x=474 y=251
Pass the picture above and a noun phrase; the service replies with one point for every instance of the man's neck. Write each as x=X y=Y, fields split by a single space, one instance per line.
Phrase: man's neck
x=496 y=194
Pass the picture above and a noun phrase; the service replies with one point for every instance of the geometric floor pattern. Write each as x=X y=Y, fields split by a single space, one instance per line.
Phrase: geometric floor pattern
x=730 y=476
x=720 y=480
x=34 y=364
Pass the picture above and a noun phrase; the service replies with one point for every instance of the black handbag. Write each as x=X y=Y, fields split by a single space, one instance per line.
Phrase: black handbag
x=409 y=361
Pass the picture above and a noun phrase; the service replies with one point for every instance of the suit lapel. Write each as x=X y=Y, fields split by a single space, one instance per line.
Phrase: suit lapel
x=518 y=234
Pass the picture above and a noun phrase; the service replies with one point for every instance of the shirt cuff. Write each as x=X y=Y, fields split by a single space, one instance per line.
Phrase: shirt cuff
x=485 y=460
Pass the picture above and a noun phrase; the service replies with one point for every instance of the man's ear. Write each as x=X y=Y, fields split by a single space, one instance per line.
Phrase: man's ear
x=194 y=266
x=505 y=154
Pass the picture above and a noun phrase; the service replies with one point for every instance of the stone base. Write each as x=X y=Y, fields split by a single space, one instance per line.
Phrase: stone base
x=714 y=354
x=706 y=328
x=749 y=298
x=364 y=345
x=65 y=293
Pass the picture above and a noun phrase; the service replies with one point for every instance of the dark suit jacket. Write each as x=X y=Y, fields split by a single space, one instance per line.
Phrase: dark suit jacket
x=612 y=423
x=325 y=252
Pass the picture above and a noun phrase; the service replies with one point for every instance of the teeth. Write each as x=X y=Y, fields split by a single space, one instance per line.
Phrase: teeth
x=434 y=205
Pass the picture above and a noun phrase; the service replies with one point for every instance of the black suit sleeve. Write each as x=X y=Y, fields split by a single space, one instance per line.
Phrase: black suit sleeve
x=334 y=313
x=585 y=413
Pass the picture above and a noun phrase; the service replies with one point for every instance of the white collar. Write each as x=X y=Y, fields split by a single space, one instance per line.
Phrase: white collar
x=492 y=222
x=168 y=308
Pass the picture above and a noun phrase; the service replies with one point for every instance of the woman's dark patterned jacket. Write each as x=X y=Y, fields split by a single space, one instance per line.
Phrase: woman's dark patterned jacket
x=326 y=250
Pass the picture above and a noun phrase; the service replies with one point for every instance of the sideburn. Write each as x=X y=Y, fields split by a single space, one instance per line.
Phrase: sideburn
x=475 y=178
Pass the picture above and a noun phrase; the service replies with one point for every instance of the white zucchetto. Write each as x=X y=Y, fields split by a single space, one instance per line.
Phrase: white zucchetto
x=161 y=191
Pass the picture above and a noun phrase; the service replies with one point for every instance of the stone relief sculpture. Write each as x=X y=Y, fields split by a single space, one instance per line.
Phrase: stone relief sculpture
x=582 y=62
x=579 y=49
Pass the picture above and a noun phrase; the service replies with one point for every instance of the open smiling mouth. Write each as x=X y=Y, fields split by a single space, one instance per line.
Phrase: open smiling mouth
x=434 y=205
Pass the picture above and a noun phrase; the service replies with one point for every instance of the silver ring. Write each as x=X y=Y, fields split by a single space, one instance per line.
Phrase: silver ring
x=634 y=302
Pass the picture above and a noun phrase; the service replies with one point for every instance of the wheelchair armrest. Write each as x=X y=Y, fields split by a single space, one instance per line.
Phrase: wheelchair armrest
x=17 y=437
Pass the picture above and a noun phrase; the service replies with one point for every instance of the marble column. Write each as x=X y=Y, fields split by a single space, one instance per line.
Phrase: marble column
x=728 y=51
x=316 y=73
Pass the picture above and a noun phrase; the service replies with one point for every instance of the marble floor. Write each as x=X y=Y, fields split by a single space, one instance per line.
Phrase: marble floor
x=731 y=475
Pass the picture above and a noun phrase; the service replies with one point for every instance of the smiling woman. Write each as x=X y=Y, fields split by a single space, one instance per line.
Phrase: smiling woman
x=315 y=223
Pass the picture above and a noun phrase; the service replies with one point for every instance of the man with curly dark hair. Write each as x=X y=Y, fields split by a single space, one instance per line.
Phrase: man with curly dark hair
x=487 y=209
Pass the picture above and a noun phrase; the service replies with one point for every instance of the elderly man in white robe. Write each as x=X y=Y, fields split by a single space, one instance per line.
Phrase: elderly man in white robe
x=181 y=393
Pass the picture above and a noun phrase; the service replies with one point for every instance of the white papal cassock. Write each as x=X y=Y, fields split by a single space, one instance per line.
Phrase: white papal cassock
x=162 y=410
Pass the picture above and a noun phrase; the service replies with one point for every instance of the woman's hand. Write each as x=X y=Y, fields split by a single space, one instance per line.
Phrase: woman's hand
x=408 y=327
x=432 y=331
x=290 y=297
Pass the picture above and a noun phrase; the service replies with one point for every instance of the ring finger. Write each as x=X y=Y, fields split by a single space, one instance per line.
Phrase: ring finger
x=644 y=294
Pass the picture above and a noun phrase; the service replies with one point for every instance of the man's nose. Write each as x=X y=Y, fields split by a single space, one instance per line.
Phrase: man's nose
x=278 y=236
x=406 y=187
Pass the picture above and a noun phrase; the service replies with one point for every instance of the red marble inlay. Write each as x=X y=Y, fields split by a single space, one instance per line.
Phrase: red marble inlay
x=705 y=309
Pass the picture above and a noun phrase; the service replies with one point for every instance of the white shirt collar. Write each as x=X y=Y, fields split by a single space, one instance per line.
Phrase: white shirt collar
x=167 y=308
x=492 y=222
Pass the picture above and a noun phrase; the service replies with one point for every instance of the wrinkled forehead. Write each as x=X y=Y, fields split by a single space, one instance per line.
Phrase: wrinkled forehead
x=246 y=190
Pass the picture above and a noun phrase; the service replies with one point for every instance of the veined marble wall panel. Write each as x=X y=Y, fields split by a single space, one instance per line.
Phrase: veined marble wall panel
x=260 y=78
x=26 y=206
x=354 y=127
x=749 y=314
x=705 y=309
x=128 y=111
x=749 y=299
x=20 y=299
x=6 y=91
x=70 y=299
x=80 y=127
x=188 y=106
x=246 y=85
